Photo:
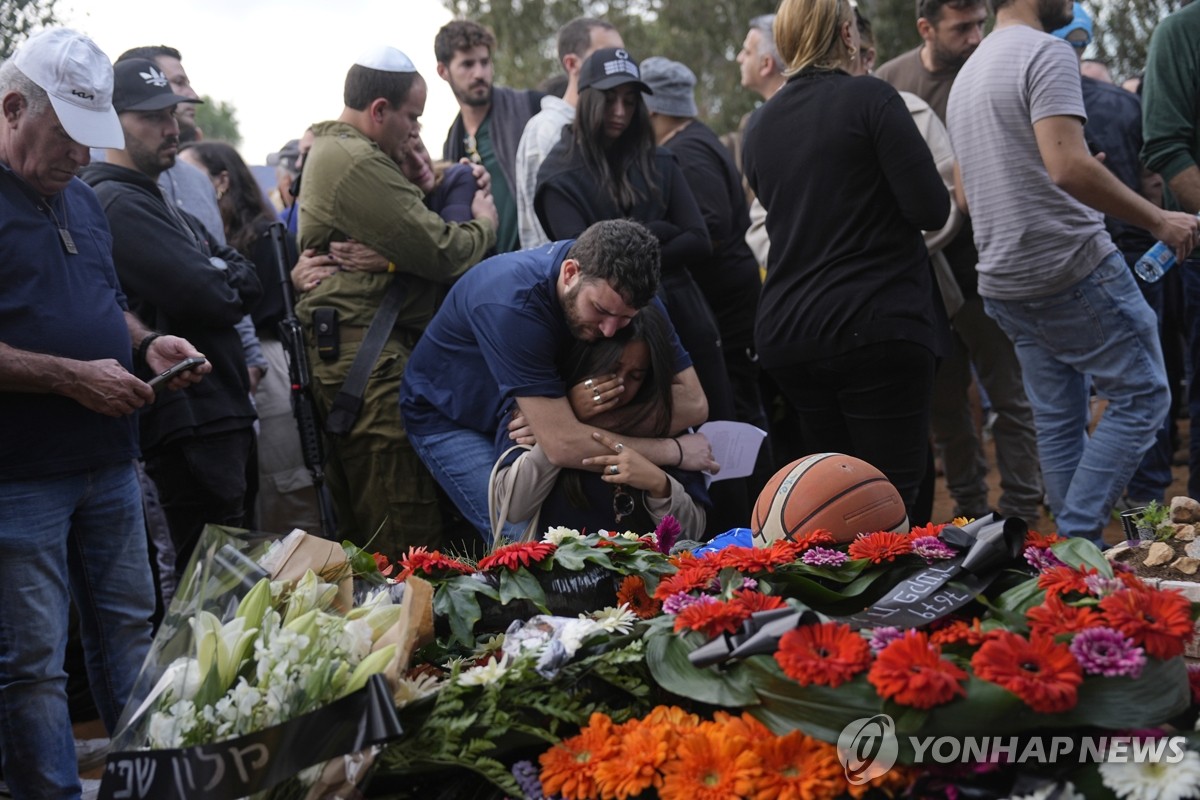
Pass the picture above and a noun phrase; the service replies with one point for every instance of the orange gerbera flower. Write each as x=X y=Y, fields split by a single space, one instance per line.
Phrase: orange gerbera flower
x=693 y=574
x=758 y=559
x=912 y=672
x=792 y=767
x=825 y=654
x=1035 y=539
x=754 y=602
x=712 y=619
x=1038 y=670
x=634 y=764
x=633 y=594
x=743 y=726
x=1064 y=580
x=959 y=631
x=922 y=531
x=1158 y=620
x=890 y=783
x=672 y=717
x=879 y=547
x=569 y=768
x=419 y=560
x=516 y=555
x=706 y=767
x=818 y=537
x=1055 y=616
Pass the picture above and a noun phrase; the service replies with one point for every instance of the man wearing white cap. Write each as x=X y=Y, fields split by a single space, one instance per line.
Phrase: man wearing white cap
x=354 y=189
x=71 y=522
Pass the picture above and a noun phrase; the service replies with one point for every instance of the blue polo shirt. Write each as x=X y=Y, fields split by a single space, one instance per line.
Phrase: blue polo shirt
x=499 y=335
x=60 y=304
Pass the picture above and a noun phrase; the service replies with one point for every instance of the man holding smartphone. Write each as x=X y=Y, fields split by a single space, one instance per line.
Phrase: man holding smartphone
x=71 y=522
x=196 y=443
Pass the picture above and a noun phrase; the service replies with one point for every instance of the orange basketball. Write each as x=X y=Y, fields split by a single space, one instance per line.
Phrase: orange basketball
x=844 y=495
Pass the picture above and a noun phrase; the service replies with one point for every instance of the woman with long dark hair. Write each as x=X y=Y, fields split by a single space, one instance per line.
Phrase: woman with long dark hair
x=632 y=493
x=848 y=322
x=286 y=498
x=607 y=167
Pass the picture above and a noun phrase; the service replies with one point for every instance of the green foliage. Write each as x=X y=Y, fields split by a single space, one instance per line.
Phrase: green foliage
x=704 y=34
x=1122 y=32
x=19 y=18
x=894 y=26
x=218 y=120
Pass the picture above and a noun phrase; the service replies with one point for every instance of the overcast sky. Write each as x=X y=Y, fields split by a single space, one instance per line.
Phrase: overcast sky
x=280 y=64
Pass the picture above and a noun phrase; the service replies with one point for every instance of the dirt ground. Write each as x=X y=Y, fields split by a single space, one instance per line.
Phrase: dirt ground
x=943 y=505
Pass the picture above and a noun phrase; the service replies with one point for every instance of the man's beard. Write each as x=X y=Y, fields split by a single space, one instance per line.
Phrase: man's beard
x=1053 y=15
x=470 y=99
x=948 y=60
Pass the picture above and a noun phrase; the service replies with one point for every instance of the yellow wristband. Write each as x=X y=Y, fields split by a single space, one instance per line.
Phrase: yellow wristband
x=391 y=267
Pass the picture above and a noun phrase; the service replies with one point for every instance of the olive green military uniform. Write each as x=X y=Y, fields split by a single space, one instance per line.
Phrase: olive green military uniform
x=352 y=190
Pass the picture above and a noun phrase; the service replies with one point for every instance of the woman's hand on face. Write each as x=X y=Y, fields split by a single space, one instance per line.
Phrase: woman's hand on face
x=628 y=467
x=594 y=396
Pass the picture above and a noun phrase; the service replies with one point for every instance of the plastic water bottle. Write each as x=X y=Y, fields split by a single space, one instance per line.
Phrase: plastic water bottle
x=1155 y=263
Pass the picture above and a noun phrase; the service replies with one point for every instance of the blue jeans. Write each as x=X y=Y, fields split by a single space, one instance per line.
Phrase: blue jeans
x=1099 y=331
x=80 y=537
x=461 y=462
x=1191 y=295
x=1152 y=478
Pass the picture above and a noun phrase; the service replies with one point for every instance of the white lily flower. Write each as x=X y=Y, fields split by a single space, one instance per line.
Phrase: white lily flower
x=485 y=674
x=308 y=594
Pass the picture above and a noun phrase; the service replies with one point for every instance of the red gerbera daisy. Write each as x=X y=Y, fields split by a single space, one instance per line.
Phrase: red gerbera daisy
x=912 y=672
x=1158 y=620
x=693 y=574
x=814 y=538
x=959 y=631
x=921 y=531
x=633 y=594
x=1038 y=670
x=516 y=555
x=881 y=546
x=825 y=654
x=1055 y=616
x=712 y=618
x=1035 y=539
x=758 y=559
x=753 y=601
x=1064 y=580
x=419 y=560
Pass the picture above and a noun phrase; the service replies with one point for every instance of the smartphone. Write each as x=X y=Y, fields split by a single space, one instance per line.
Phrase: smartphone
x=160 y=381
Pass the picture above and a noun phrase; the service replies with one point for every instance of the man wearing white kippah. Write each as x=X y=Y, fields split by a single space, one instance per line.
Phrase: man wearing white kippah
x=354 y=190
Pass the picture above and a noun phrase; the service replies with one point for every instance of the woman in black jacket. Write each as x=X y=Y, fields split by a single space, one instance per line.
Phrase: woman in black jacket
x=607 y=167
x=848 y=324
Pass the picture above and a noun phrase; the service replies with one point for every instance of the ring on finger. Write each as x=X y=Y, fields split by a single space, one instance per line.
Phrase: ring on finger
x=613 y=469
x=620 y=448
x=596 y=396
x=589 y=383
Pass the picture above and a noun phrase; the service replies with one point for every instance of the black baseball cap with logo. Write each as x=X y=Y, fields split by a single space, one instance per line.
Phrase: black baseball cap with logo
x=610 y=67
x=139 y=85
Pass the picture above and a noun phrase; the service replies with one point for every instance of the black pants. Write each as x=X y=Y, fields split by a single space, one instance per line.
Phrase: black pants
x=201 y=480
x=872 y=403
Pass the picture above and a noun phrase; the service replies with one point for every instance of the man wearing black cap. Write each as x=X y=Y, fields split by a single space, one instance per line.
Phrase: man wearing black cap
x=197 y=442
x=71 y=520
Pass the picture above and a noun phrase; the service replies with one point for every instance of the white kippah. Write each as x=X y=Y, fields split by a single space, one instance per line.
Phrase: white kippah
x=386 y=59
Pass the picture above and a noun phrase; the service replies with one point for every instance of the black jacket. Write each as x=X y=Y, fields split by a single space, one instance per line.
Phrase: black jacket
x=180 y=281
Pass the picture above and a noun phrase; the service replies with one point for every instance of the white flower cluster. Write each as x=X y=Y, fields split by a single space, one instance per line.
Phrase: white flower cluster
x=284 y=653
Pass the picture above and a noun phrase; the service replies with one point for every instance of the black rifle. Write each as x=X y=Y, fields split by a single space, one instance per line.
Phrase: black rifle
x=291 y=335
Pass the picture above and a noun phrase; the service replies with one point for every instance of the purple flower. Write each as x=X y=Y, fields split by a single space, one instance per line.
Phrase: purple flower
x=747 y=583
x=882 y=637
x=529 y=779
x=666 y=534
x=681 y=600
x=1103 y=651
x=1100 y=586
x=1042 y=558
x=824 y=557
x=1121 y=566
x=932 y=548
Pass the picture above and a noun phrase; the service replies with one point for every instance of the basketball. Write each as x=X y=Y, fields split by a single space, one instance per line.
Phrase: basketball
x=844 y=495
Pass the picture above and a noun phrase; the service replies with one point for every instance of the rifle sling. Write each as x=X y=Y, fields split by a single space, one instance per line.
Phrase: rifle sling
x=347 y=405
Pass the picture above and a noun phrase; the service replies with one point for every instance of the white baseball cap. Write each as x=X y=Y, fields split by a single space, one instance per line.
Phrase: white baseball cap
x=78 y=77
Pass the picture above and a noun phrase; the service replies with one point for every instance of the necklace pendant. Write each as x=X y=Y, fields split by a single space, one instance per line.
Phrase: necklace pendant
x=68 y=242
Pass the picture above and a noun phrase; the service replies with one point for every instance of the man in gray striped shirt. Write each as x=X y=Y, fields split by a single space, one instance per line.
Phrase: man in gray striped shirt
x=1048 y=272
